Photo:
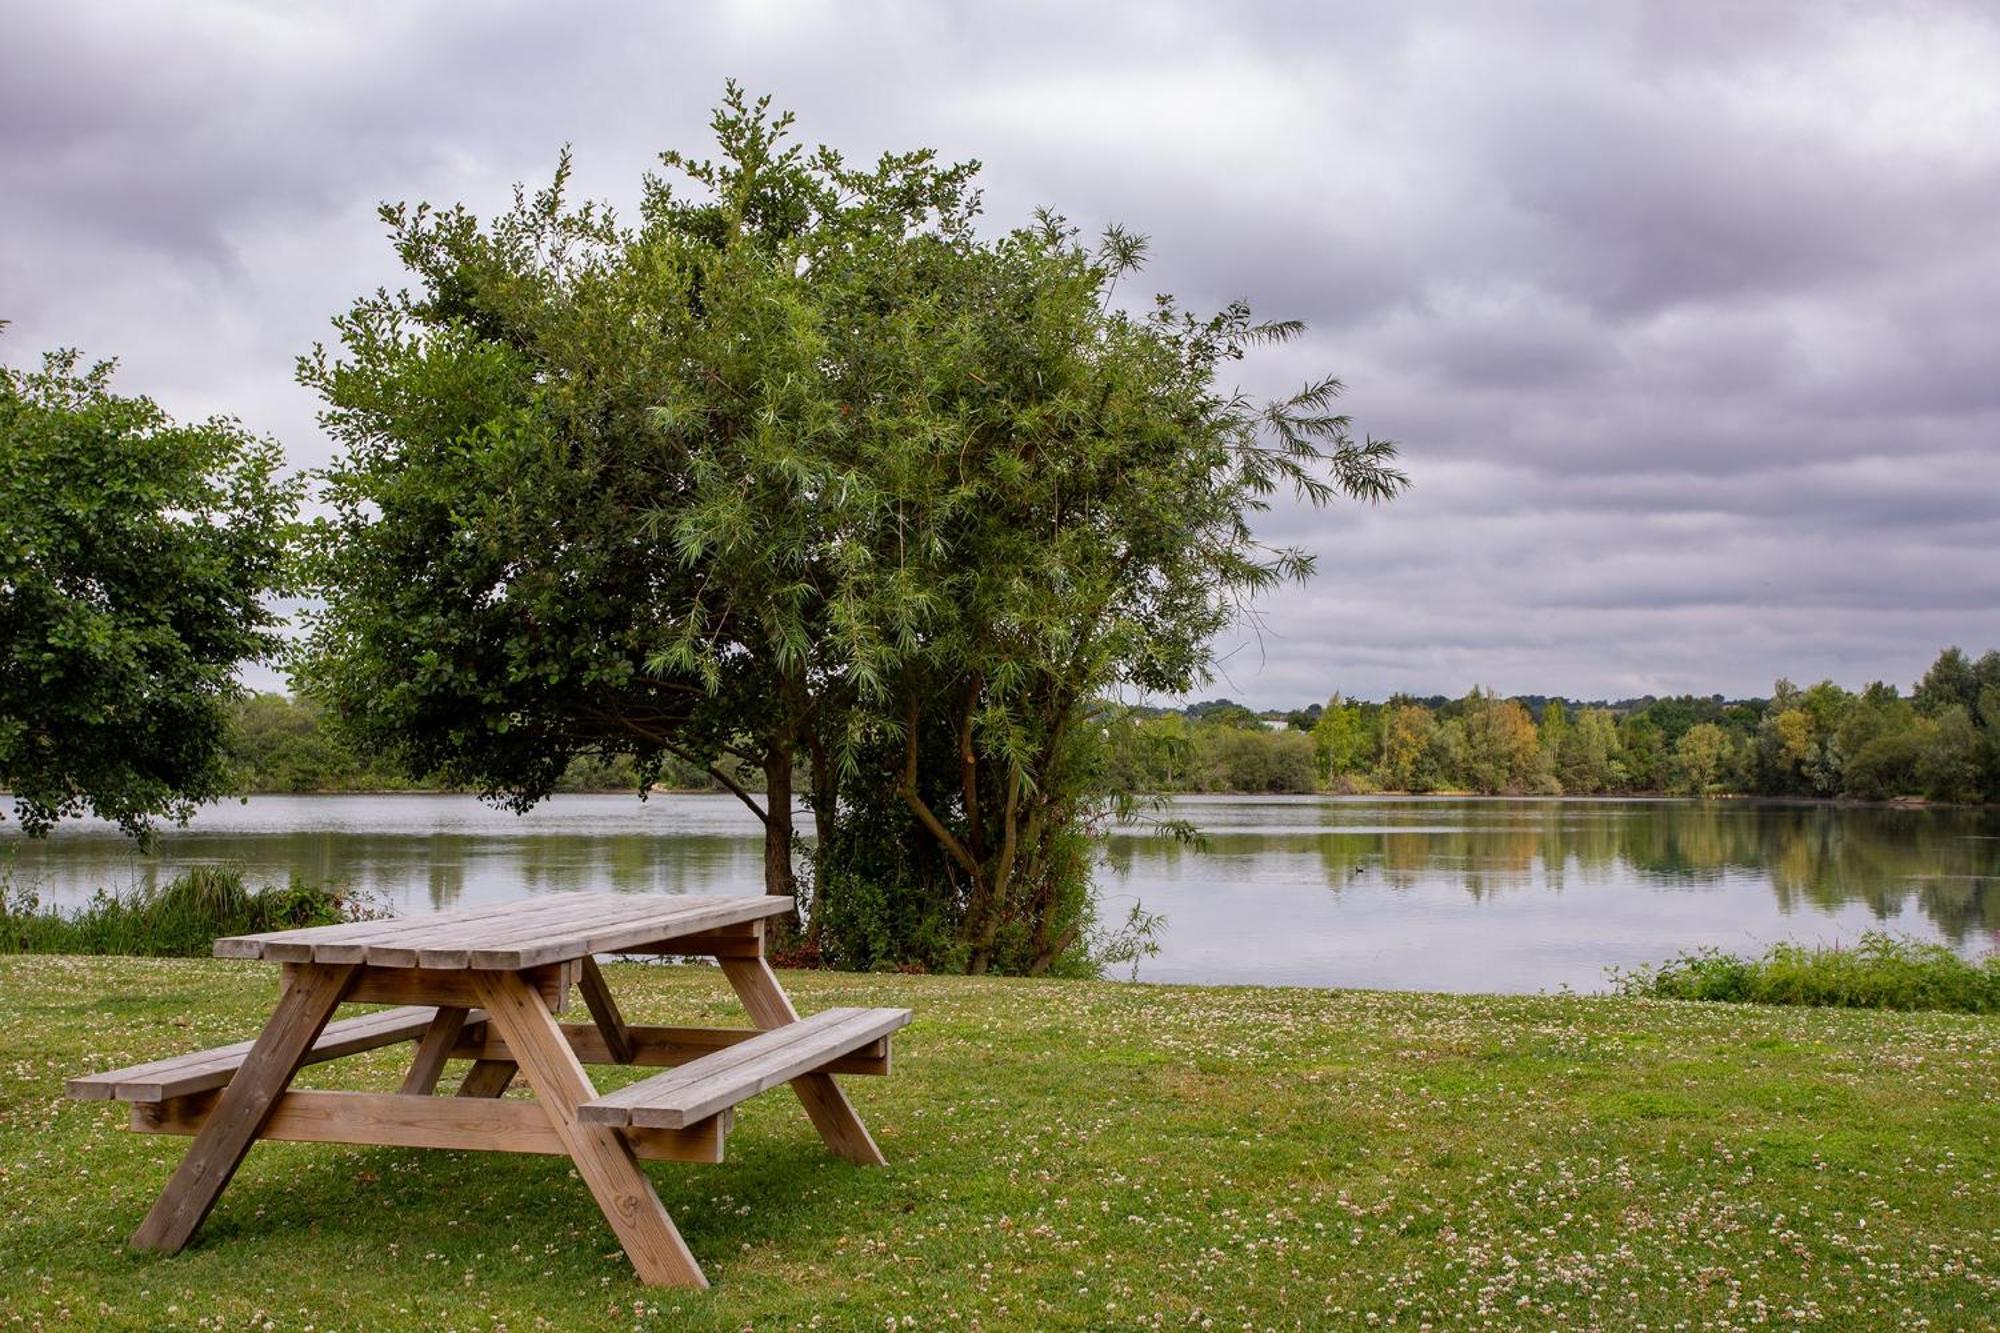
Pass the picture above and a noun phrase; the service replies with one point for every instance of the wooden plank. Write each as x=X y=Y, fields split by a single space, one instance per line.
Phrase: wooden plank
x=603 y=1006
x=488 y=1078
x=392 y=1120
x=505 y=938
x=653 y=1047
x=610 y=939
x=309 y=999
x=567 y=917
x=406 y=947
x=198 y=1071
x=432 y=1051
x=832 y=1114
x=296 y=946
x=739 y=941
x=704 y=1087
x=511 y=935
x=410 y=985
x=603 y=1158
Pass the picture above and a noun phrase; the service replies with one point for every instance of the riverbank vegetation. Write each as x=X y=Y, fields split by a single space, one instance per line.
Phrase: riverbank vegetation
x=182 y=918
x=1080 y=1155
x=1880 y=971
x=1941 y=742
x=278 y=744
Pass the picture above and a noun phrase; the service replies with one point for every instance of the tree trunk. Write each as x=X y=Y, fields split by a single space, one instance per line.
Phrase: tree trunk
x=825 y=798
x=778 y=874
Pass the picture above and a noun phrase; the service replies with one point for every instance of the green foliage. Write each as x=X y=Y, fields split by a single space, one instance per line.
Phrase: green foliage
x=801 y=471
x=280 y=744
x=1344 y=739
x=181 y=919
x=135 y=559
x=1590 y=757
x=1702 y=757
x=1822 y=741
x=1881 y=972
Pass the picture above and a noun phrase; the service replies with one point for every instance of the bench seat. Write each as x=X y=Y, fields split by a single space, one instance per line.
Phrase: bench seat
x=201 y=1071
x=715 y=1082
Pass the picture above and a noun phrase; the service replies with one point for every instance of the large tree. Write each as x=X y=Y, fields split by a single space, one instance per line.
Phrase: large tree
x=137 y=558
x=802 y=473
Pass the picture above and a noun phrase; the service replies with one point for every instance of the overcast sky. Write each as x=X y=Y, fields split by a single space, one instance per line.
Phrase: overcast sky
x=1685 y=314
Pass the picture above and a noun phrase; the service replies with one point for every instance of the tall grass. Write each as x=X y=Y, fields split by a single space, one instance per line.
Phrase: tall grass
x=181 y=919
x=1880 y=972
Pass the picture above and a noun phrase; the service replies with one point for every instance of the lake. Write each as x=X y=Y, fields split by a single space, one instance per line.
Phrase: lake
x=1405 y=893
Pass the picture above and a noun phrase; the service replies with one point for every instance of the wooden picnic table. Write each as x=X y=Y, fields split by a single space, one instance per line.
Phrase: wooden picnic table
x=487 y=984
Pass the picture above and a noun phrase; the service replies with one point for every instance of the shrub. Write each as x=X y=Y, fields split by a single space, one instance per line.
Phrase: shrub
x=181 y=919
x=1881 y=972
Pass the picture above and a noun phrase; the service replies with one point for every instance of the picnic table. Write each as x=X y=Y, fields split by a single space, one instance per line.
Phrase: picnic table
x=487 y=984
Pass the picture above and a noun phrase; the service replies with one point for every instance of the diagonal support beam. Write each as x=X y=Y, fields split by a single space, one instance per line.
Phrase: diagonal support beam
x=310 y=996
x=603 y=1158
x=832 y=1114
x=603 y=1008
x=433 y=1049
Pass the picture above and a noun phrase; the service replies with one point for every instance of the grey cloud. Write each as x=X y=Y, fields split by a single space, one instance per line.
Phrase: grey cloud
x=1683 y=310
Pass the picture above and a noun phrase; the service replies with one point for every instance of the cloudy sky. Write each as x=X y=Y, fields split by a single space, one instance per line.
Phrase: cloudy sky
x=1684 y=313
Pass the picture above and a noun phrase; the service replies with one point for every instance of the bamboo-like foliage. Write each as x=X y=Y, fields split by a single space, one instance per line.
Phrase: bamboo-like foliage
x=801 y=471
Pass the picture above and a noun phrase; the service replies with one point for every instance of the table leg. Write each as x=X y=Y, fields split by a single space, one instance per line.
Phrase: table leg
x=832 y=1114
x=310 y=998
x=602 y=1156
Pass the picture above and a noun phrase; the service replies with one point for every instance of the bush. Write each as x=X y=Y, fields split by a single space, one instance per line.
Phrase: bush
x=182 y=919
x=1881 y=972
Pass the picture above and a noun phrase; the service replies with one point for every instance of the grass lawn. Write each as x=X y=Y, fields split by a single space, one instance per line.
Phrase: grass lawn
x=1071 y=1155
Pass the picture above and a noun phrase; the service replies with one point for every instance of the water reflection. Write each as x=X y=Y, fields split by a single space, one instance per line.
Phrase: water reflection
x=1404 y=893
x=418 y=852
x=1944 y=863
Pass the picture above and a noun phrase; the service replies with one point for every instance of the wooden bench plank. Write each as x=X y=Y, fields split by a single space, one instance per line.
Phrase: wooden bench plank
x=200 y=1071
x=715 y=1082
x=653 y=1047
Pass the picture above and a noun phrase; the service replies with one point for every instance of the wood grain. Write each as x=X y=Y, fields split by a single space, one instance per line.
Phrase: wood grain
x=392 y=1120
x=603 y=1006
x=603 y=1158
x=309 y=999
x=198 y=1071
x=826 y=1104
x=513 y=936
x=724 y=1078
x=663 y=1046
x=433 y=1049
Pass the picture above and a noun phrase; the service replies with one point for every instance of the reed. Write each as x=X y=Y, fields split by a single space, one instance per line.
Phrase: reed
x=180 y=919
x=1881 y=971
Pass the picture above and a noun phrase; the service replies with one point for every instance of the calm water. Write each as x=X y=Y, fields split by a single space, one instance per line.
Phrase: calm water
x=1406 y=893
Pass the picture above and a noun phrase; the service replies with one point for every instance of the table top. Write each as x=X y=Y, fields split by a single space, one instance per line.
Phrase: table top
x=510 y=936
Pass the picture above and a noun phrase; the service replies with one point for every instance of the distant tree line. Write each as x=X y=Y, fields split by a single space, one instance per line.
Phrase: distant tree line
x=1941 y=742
x=278 y=744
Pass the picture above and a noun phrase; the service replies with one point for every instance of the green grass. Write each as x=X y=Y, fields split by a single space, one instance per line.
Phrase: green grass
x=180 y=919
x=1881 y=972
x=1085 y=1155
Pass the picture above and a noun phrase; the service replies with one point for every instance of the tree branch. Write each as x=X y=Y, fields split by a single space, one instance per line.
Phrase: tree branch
x=968 y=769
x=925 y=815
